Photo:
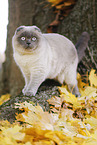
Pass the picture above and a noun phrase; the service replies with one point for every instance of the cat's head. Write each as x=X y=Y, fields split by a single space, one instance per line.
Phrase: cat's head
x=26 y=38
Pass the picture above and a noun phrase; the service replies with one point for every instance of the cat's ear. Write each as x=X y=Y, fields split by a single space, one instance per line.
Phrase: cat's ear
x=36 y=29
x=19 y=29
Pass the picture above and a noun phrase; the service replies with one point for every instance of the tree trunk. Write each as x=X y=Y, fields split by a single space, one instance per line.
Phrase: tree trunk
x=21 y=12
x=83 y=17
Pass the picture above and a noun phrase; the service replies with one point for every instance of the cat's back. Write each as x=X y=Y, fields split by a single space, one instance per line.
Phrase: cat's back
x=62 y=46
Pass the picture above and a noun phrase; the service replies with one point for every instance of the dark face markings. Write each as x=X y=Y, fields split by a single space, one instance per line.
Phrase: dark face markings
x=28 y=40
x=37 y=29
x=28 y=35
x=18 y=29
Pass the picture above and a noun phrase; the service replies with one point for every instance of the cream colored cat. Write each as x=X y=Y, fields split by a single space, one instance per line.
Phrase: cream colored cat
x=42 y=56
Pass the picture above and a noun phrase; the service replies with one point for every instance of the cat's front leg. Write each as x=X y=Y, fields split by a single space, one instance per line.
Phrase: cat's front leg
x=27 y=81
x=35 y=81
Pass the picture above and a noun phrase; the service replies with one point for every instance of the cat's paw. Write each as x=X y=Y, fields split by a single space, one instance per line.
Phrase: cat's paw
x=28 y=92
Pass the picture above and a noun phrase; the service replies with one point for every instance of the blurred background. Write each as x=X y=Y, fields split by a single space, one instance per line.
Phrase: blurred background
x=3 y=24
x=3 y=28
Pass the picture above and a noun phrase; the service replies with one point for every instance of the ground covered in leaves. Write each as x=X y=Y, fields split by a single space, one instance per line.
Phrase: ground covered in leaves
x=70 y=120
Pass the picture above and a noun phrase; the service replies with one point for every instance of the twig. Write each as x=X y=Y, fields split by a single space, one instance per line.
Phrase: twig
x=92 y=59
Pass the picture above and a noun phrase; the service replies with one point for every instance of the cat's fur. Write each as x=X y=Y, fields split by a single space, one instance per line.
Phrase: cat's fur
x=41 y=56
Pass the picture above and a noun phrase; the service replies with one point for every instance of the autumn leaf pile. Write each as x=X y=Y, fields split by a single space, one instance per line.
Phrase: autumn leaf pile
x=70 y=121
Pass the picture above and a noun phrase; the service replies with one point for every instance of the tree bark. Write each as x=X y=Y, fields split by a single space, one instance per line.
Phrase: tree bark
x=83 y=17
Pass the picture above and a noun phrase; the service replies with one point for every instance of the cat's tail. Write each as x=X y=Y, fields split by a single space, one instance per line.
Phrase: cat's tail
x=82 y=44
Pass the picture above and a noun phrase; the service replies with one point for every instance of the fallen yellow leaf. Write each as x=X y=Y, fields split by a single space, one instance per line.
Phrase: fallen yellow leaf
x=93 y=78
x=4 y=98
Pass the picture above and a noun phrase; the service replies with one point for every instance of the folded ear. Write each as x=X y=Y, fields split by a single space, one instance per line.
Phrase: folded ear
x=37 y=29
x=19 y=29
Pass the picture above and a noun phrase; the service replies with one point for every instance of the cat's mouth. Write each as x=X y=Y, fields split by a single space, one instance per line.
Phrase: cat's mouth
x=28 y=47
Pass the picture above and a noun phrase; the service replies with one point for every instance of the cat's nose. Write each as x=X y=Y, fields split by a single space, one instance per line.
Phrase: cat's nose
x=28 y=43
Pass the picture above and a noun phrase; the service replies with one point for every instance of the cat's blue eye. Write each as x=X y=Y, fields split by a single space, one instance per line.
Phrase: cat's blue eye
x=23 y=38
x=34 y=38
